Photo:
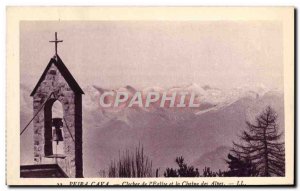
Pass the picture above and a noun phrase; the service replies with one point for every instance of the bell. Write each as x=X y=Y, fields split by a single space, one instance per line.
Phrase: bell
x=57 y=132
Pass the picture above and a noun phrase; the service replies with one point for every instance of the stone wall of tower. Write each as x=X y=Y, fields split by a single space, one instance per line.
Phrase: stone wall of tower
x=55 y=83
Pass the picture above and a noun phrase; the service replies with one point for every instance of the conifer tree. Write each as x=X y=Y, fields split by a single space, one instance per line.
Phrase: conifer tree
x=261 y=145
x=183 y=171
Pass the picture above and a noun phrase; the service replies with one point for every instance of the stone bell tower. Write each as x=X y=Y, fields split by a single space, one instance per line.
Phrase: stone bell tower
x=57 y=84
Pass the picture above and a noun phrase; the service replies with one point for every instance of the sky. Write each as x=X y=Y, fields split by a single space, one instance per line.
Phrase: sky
x=112 y=54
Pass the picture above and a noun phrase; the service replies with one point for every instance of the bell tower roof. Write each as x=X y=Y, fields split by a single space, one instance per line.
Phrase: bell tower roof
x=65 y=73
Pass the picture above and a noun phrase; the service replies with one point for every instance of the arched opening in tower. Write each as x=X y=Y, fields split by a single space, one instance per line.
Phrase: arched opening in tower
x=57 y=130
x=54 y=130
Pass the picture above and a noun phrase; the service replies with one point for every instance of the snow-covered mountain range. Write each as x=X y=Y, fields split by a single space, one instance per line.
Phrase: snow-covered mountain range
x=202 y=135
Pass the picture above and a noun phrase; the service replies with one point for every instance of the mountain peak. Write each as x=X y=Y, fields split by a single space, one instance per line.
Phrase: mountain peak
x=193 y=87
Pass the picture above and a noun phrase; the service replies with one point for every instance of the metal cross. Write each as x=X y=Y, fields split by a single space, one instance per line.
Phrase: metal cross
x=56 y=42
